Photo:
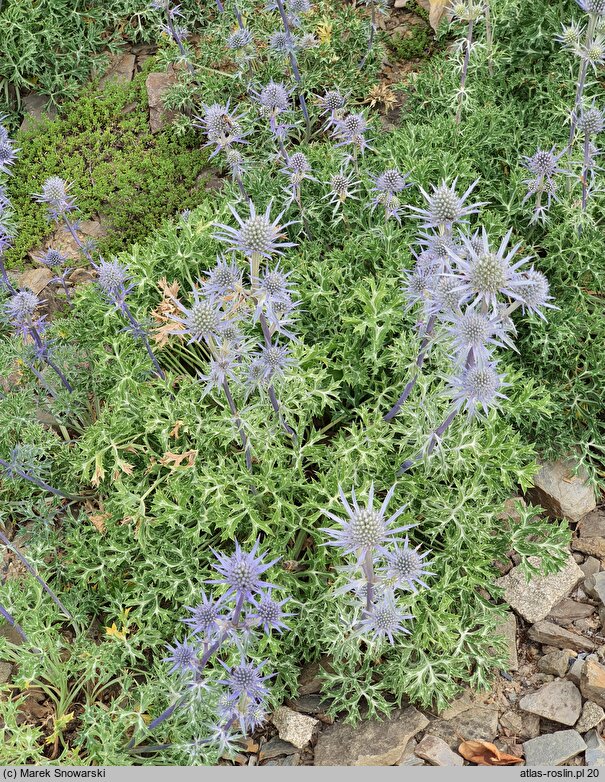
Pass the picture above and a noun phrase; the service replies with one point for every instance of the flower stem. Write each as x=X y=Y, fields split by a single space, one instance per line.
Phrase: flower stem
x=13 y=623
x=419 y=362
x=463 y=75
x=430 y=447
x=363 y=61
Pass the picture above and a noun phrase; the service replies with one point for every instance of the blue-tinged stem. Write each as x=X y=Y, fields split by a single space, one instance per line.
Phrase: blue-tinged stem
x=240 y=428
x=45 y=357
x=13 y=623
x=33 y=572
x=463 y=75
x=590 y=31
x=77 y=239
x=41 y=484
x=295 y=69
x=140 y=332
x=271 y=390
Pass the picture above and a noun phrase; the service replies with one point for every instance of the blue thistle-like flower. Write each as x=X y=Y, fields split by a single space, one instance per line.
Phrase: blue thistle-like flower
x=269 y=612
x=485 y=274
x=385 y=619
x=203 y=321
x=222 y=126
x=274 y=284
x=183 y=657
x=221 y=367
x=20 y=310
x=274 y=360
x=596 y=7
x=331 y=102
x=472 y=332
x=571 y=36
x=364 y=529
x=591 y=121
x=420 y=283
x=274 y=98
x=257 y=235
x=112 y=277
x=245 y=679
x=242 y=571
x=204 y=617
x=534 y=292
x=351 y=129
x=240 y=39
x=224 y=279
x=391 y=181
x=52 y=258
x=477 y=386
x=8 y=151
x=594 y=54
x=445 y=207
x=55 y=194
x=297 y=168
x=281 y=43
x=342 y=186
x=406 y=566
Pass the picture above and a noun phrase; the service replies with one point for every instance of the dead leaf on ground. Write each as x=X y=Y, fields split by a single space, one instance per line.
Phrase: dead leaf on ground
x=484 y=753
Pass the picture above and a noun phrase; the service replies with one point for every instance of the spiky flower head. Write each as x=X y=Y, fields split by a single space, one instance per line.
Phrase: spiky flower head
x=245 y=681
x=204 y=617
x=183 y=657
x=281 y=43
x=595 y=53
x=240 y=39
x=342 y=186
x=8 y=152
x=445 y=207
x=221 y=126
x=331 y=102
x=406 y=566
x=570 y=36
x=274 y=98
x=242 y=571
x=485 y=274
x=534 y=292
x=596 y=7
x=473 y=333
x=203 y=321
x=365 y=528
x=20 y=309
x=477 y=386
x=223 y=279
x=257 y=234
x=222 y=366
x=274 y=360
x=543 y=163
x=297 y=168
x=269 y=612
x=55 y=194
x=445 y=297
x=385 y=619
x=351 y=126
x=274 y=284
x=112 y=277
x=298 y=6
x=52 y=258
x=391 y=181
x=591 y=121
x=306 y=42
x=419 y=283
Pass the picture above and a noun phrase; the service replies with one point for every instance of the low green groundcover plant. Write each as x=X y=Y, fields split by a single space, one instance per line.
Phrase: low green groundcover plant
x=317 y=364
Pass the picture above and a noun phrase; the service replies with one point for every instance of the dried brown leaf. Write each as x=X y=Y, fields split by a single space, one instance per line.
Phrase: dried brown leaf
x=484 y=753
x=170 y=459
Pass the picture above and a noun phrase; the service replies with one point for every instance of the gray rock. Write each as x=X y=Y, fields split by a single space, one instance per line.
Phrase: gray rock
x=594 y=757
x=521 y=724
x=556 y=663
x=574 y=673
x=11 y=635
x=595 y=586
x=593 y=525
x=559 y=701
x=594 y=740
x=553 y=635
x=309 y=681
x=276 y=747
x=592 y=682
x=157 y=84
x=561 y=493
x=437 y=752
x=371 y=743
x=534 y=599
x=476 y=723
x=35 y=111
x=120 y=71
x=568 y=611
x=309 y=704
x=409 y=758
x=6 y=670
x=400 y=3
x=591 y=715
x=594 y=547
x=554 y=748
x=591 y=566
x=296 y=728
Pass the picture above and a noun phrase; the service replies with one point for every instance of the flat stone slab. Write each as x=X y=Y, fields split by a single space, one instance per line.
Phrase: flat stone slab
x=477 y=723
x=591 y=715
x=594 y=586
x=534 y=599
x=553 y=749
x=437 y=752
x=555 y=663
x=553 y=635
x=568 y=611
x=593 y=525
x=559 y=701
x=508 y=628
x=371 y=743
x=561 y=493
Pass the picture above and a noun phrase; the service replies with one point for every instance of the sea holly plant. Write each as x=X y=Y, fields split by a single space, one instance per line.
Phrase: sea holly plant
x=468 y=12
x=214 y=664
x=60 y=204
x=376 y=7
x=544 y=167
x=8 y=155
x=385 y=565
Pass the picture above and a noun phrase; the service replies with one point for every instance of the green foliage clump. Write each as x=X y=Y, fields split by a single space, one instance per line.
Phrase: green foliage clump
x=118 y=169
